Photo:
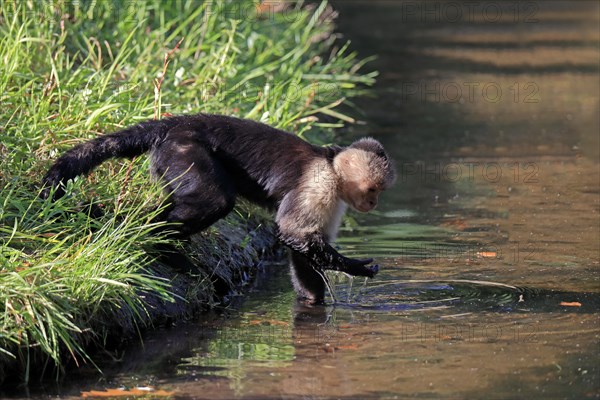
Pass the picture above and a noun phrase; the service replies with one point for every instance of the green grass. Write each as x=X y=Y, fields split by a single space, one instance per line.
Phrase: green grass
x=70 y=71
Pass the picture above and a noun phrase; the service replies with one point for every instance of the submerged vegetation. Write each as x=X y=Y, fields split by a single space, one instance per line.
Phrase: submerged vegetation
x=70 y=71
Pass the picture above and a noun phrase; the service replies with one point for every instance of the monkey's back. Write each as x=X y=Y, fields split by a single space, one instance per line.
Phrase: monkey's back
x=265 y=162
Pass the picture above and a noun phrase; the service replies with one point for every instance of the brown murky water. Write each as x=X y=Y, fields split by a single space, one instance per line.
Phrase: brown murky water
x=489 y=243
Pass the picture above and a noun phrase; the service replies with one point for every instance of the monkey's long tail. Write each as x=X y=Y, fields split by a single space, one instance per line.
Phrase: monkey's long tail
x=82 y=158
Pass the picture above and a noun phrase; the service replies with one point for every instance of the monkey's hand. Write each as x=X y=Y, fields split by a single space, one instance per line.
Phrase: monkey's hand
x=358 y=267
x=316 y=249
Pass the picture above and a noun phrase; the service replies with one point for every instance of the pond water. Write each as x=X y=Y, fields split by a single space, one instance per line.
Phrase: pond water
x=489 y=243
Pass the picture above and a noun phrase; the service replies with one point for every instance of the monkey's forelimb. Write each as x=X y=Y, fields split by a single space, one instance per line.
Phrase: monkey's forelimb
x=322 y=254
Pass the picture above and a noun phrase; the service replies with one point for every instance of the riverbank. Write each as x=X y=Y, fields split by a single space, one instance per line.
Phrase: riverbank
x=68 y=282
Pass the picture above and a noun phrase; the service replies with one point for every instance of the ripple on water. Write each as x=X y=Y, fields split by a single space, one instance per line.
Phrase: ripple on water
x=462 y=296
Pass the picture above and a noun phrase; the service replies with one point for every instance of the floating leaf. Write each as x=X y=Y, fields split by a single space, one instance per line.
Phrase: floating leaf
x=120 y=392
x=570 y=303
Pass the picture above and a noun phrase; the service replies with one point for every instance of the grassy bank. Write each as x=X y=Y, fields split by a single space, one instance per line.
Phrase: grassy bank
x=70 y=71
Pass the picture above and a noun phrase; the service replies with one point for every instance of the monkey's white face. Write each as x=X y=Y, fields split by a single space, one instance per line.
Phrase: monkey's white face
x=360 y=179
x=360 y=195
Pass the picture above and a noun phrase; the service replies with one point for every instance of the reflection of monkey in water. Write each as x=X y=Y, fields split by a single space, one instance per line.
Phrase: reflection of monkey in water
x=207 y=161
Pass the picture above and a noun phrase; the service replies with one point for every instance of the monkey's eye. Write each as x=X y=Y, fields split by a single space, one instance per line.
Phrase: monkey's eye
x=372 y=190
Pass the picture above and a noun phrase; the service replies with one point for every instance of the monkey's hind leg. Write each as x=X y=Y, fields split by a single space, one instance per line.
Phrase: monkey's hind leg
x=199 y=188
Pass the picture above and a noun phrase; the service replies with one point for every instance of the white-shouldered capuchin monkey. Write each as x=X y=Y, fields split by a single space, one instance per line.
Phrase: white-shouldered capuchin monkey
x=206 y=161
